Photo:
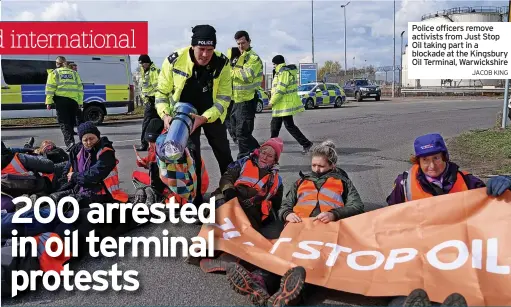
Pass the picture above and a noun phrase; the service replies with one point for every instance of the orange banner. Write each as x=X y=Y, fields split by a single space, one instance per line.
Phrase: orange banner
x=444 y=244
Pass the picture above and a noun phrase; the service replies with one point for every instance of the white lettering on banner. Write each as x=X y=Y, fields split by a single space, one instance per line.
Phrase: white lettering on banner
x=403 y=255
x=467 y=50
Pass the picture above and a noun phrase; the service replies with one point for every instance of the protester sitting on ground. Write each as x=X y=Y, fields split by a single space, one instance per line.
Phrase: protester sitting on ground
x=92 y=173
x=336 y=199
x=255 y=181
x=326 y=194
x=432 y=173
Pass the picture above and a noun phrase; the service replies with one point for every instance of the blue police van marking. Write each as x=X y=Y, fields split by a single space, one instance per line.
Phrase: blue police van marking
x=35 y=93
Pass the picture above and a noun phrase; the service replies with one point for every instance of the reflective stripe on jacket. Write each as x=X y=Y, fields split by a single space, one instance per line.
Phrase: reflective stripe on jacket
x=15 y=167
x=177 y=68
x=266 y=187
x=111 y=182
x=284 y=92
x=150 y=80
x=414 y=191
x=328 y=197
x=64 y=82
x=247 y=76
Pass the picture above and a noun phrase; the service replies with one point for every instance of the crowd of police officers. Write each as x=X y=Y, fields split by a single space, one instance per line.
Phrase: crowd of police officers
x=222 y=88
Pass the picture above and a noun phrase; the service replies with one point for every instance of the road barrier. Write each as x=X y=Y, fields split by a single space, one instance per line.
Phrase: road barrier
x=451 y=91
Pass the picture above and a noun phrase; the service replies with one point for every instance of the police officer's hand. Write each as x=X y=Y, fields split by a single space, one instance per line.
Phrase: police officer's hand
x=293 y=218
x=198 y=121
x=48 y=107
x=166 y=121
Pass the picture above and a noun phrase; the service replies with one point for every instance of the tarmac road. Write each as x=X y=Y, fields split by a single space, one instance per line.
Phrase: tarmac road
x=374 y=140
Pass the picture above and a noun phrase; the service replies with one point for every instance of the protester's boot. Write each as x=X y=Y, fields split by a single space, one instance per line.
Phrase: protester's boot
x=417 y=298
x=218 y=265
x=30 y=143
x=246 y=283
x=455 y=299
x=291 y=286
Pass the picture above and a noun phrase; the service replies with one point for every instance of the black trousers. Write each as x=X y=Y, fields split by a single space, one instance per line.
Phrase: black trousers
x=243 y=120
x=276 y=124
x=228 y=122
x=67 y=111
x=216 y=133
x=149 y=114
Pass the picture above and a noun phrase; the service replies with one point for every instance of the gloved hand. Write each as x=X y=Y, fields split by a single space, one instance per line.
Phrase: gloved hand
x=229 y=194
x=498 y=185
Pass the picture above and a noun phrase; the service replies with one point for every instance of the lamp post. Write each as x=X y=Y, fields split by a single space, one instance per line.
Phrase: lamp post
x=345 y=56
x=353 y=67
x=401 y=72
x=312 y=17
x=505 y=109
x=394 y=66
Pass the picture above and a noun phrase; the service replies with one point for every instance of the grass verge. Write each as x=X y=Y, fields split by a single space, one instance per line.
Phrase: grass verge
x=48 y=121
x=483 y=152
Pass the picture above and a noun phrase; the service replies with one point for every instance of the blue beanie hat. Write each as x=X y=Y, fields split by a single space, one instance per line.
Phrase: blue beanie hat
x=88 y=127
x=430 y=144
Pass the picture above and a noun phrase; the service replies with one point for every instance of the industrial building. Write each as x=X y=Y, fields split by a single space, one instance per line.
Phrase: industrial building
x=458 y=14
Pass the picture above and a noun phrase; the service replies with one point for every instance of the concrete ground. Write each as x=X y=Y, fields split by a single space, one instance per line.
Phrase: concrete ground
x=374 y=140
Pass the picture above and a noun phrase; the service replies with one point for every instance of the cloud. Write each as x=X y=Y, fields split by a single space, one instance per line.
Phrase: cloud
x=275 y=27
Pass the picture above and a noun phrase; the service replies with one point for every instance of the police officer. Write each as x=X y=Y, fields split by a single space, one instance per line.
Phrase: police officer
x=201 y=76
x=149 y=86
x=247 y=75
x=285 y=101
x=64 y=88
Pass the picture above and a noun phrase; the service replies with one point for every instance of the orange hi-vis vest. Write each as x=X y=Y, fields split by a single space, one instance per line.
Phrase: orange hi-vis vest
x=111 y=181
x=414 y=191
x=15 y=167
x=46 y=262
x=328 y=197
x=266 y=187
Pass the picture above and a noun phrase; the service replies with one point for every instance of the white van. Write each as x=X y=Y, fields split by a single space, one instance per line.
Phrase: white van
x=108 y=85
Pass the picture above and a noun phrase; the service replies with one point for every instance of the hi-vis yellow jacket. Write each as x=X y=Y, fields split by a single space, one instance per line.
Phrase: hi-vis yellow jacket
x=176 y=69
x=247 y=75
x=150 y=80
x=64 y=82
x=284 y=92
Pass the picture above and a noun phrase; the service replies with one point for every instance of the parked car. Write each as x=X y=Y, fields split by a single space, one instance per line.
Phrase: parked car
x=263 y=100
x=318 y=94
x=362 y=88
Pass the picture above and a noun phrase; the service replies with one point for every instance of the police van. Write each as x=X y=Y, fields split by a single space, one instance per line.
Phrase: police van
x=107 y=83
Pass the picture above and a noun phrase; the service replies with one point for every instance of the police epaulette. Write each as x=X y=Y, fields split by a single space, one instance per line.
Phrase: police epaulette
x=153 y=68
x=173 y=57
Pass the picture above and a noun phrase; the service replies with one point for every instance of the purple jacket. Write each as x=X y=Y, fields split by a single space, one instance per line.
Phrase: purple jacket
x=397 y=195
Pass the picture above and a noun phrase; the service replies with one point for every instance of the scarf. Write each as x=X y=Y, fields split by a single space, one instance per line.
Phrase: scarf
x=84 y=161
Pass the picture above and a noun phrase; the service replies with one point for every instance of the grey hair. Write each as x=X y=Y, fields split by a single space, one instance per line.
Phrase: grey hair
x=326 y=150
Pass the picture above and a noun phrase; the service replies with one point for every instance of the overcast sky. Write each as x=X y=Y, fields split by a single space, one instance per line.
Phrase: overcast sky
x=276 y=27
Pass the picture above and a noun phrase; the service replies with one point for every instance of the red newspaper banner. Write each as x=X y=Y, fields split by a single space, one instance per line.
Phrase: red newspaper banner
x=451 y=243
x=80 y=38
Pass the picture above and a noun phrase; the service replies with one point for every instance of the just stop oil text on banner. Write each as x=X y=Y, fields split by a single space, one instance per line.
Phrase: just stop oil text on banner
x=92 y=37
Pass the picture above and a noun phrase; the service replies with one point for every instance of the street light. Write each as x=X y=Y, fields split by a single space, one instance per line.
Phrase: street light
x=312 y=15
x=345 y=56
x=394 y=67
x=401 y=73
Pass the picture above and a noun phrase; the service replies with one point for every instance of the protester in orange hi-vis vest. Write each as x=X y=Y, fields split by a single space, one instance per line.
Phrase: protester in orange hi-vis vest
x=326 y=194
x=431 y=174
x=255 y=181
x=92 y=171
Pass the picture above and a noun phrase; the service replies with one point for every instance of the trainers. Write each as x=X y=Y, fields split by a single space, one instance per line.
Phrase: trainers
x=244 y=283
x=218 y=264
x=417 y=297
x=291 y=286
x=455 y=299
